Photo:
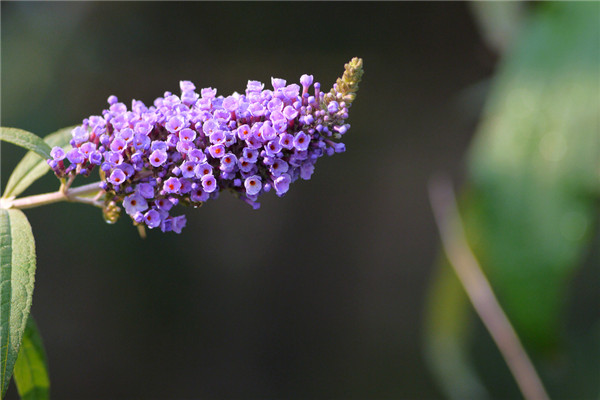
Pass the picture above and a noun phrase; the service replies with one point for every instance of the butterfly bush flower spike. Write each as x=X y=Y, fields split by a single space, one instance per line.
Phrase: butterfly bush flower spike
x=187 y=149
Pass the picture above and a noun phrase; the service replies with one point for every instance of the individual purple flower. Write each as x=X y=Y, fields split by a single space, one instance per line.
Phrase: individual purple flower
x=189 y=98
x=126 y=134
x=158 y=158
x=279 y=167
x=217 y=137
x=175 y=124
x=75 y=156
x=203 y=169
x=196 y=155
x=119 y=122
x=209 y=93
x=134 y=203
x=186 y=186
x=230 y=103
x=187 y=135
x=142 y=128
x=159 y=145
x=282 y=184
x=277 y=117
x=118 y=108
x=183 y=147
x=306 y=170
x=301 y=141
x=172 y=185
x=209 y=183
x=243 y=132
x=146 y=190
x=58 y=153
x=210 y=126
x=230 y=139
x=152 y=218
x=278 y=83
x=256 y=109
x=95 y=158
x=127 y=168
x=80 y=135
x=141 y=141
x=273 y=148
x=118 y=145
x=117 y=177
x=113 y=157
x=286 y=141
x=250 y=155
x=172 y=140
x=253 y=142
x=290 y=112
x=306 y=81
x=306 y=119
x=188 y=169
x=267 y=132
x=138 y=217
x=227 y=175
x=275 y=104
x=341 y=129
x=228 y=162
x=105 y=140
x=179 y=223
x=87 y=148
x=166 y=224
x=339 y=147
x=187 y=86
x=333 y=107
x=163 y=204
x=245 y=165
x=254 y=86
x=291 y=91
x=253 y=185
x=198 y=195
x=216 y=151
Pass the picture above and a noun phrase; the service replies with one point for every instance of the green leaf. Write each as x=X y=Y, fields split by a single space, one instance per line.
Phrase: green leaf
x=530 y=208
x=17 y=274
x=447 y=321
x=31 y=371
x=26 y=140
x=534 y=169
x=32 y=167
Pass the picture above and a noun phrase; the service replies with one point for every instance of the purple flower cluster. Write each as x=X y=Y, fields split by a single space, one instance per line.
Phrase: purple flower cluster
x=186 y=149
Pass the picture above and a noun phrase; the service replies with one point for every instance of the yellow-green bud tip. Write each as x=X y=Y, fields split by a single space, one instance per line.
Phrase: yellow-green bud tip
x=347 y=85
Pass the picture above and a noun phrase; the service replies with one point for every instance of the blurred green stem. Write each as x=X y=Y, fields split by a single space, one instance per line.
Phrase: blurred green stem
x=480 y=292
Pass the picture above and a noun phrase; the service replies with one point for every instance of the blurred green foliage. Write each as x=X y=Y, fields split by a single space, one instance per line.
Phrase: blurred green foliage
x=530 y=206
x=32 y=166
x=31 y=371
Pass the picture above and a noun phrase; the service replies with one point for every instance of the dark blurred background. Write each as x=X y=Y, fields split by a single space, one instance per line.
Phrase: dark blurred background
x=318 y=294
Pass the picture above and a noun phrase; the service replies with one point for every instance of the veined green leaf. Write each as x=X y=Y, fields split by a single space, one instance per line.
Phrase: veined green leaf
x=32 y=167
x=31 y=370
x=17 y=274
x=26 y=140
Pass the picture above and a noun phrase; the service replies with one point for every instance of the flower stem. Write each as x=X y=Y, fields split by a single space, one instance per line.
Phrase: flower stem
x=480 y=292
x=65 y=193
